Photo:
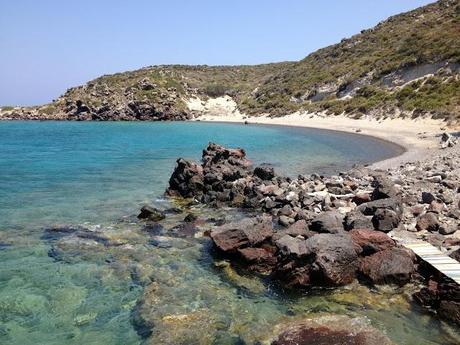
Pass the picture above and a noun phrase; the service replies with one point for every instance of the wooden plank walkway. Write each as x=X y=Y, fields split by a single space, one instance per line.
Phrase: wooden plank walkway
x=436 y=258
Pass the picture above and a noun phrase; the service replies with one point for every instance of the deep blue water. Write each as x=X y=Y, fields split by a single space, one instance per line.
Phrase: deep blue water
x=98 y=173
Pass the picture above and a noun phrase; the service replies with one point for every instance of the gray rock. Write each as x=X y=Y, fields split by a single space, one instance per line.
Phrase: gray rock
x=384 y=188
x=328 y=222
x=285 y=220
x=335 y=259
x=289 y=245
x=448 y=229
x=428 y=221
x=356 y=220
x=369 y=208
x=286 y=210
x=385 y=220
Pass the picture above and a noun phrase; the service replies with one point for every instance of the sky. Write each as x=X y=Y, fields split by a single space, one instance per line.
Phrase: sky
x=48 y=46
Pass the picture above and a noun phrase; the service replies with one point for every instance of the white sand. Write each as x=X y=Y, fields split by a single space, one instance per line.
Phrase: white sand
x=417 y=137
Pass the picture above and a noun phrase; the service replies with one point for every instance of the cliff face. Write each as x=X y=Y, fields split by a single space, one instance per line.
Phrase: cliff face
x=406 y=65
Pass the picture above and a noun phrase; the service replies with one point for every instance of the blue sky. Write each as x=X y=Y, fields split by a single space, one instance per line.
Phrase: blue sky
x=49 y=46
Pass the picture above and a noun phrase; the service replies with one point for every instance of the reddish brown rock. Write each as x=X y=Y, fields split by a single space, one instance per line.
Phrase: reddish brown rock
x=371 y=241
x=330 y=330
x=450 y=310
x=245 y=233
x=258 y=259
x=391 y=266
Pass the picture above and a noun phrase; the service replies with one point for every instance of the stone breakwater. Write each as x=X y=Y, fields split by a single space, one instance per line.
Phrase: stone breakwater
x=329 y=231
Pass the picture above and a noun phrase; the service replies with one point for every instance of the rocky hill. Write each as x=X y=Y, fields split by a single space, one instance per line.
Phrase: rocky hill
x=407 y=65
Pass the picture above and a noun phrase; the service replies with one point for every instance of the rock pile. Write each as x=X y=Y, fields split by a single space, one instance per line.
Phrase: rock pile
x=314 y=231
x=328 y=231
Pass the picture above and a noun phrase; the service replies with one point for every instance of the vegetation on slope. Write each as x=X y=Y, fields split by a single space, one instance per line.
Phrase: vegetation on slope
x=420 y=39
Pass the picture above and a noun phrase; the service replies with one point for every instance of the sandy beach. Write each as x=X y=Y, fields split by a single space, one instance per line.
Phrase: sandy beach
x=419 y=138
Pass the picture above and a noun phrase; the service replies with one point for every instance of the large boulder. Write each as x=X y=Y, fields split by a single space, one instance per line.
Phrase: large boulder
x=225 y=164
x=294 y=246
x=334 y=259
x=321 y=260
x=390 y=266
x=245 y=233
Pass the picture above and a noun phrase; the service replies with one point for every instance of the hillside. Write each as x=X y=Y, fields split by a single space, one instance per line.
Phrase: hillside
x=408 y=65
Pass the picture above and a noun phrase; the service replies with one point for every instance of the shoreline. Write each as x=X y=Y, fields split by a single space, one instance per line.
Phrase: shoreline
x=418 y=140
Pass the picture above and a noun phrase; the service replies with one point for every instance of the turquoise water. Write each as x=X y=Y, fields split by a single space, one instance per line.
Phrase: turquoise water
x=76 y=172
x=98 y=175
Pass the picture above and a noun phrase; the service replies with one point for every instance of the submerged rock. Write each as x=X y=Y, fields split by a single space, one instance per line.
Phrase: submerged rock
x=328 y=330
x=441 y=294
x=57 y=232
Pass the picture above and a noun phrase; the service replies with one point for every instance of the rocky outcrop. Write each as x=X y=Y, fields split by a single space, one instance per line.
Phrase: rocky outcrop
x=329 y=231
x=187 y=180
x=301 y=240
x=297 y=257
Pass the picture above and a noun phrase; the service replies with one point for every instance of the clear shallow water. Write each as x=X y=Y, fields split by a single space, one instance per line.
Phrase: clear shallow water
x=100 y=173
